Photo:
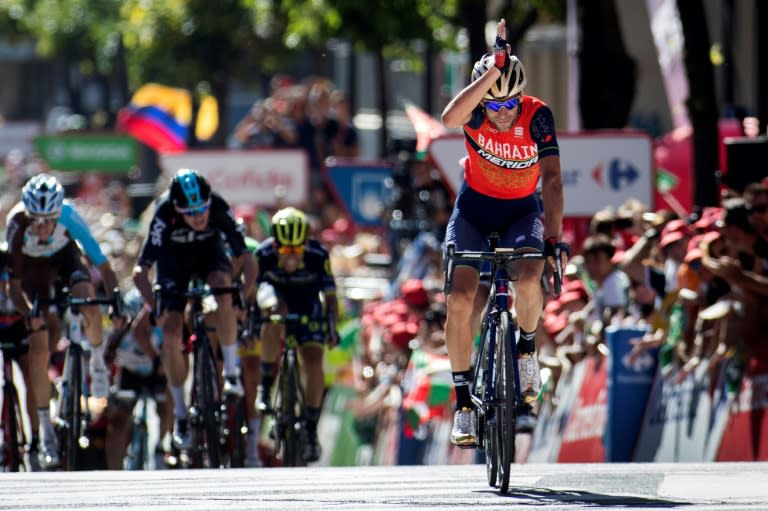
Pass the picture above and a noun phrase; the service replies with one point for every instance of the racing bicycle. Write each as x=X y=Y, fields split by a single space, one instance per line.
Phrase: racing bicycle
x=205 y=411
x=73 y=415
x=495 y=387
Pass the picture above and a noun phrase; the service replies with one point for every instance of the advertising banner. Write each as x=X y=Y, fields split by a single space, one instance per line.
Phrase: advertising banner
x=361 y=190
x=553 y=417
x=583 y=433
x=629 y=384
x=258 y=177
x=599 y=170
x=745 y=438
x=102 y=153
x=678 y=424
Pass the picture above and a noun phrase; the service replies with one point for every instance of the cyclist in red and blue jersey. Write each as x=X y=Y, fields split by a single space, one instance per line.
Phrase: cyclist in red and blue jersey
x=511 y=143
x=193 y=233
x=44 y=235
x=298 y=268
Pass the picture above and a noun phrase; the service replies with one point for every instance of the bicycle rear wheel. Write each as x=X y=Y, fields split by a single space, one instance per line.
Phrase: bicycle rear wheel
x=288 y=414
x=505 y=393
x=13 y=431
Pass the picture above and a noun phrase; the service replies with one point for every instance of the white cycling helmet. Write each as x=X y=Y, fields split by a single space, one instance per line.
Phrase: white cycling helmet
x=43 y=195
x=511 y=82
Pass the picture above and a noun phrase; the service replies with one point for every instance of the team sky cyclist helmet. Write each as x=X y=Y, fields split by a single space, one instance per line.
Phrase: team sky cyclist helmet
x=511 y=82
x=190 y=192
x=290 y=227
x=43 y=196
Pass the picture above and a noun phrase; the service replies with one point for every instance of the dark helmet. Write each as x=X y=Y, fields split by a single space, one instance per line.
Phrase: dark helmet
x=189 y=190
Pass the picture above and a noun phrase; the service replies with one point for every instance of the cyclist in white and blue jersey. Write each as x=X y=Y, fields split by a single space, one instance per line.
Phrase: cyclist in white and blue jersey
x=44 y=235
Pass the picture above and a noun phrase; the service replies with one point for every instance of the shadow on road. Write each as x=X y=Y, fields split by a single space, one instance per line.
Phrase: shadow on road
x=543 y=496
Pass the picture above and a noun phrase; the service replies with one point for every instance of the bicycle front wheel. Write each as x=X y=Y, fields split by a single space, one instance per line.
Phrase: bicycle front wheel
x=13 y=431
x=209 y=410
x=71 y=409
x=235 y=432
x=485 y=413
x=505 y=394
x=288 y=414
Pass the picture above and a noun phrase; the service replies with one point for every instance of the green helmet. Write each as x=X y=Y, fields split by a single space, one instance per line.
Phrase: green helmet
x=290 y=227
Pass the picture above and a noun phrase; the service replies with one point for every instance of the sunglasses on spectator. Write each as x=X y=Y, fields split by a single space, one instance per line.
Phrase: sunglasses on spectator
x=287 y=249
x=196 y=211
x=758 y=208
x=509 y=104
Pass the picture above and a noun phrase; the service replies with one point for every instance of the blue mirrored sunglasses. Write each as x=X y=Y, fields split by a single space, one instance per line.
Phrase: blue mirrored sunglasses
x=509 y=104
x=199 y=210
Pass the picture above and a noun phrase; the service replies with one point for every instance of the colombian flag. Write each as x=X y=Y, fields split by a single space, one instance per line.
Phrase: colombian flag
x=159 y=116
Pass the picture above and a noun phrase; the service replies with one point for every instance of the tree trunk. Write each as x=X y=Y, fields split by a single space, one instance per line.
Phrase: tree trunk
x=220 y=90
x=429 y=71
x=472 y=16
x=381 y=72
x=702 y=102
x=607 y=74
x=761 y=45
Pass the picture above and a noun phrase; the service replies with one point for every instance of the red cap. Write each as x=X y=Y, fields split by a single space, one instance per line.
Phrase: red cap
x=675 y=226
x=670 y=238
x=414 y=294
x=401 y=334
x=555 y=323
x=694 y=254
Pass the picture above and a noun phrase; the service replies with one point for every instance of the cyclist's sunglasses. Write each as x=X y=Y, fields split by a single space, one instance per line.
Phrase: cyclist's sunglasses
x=198 y=210
x=287 y=249
x=509 y=104
x=42 y=220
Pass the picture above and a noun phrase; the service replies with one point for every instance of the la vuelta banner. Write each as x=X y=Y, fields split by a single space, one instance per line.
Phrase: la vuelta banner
x=583 y=433
x=746 y=436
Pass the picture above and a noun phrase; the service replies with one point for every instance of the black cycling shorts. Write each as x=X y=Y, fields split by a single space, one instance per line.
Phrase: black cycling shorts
x=39 y=274
x=177 y=266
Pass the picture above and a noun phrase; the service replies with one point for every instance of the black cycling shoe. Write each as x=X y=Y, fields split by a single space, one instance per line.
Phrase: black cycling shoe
x=525 y=419
x=312 y=448
x=263 y=404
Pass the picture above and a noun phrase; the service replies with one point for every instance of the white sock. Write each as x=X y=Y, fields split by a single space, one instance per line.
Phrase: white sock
x=179 y=402
x=254 y=433
x=229 y=353
x=46 y=427
x=97 y=357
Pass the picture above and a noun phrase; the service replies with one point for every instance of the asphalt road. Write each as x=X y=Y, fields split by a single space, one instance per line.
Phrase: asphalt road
x=690 y=487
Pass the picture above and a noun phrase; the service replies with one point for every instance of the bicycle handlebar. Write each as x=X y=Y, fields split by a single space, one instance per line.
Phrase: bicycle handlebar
x=115 y=301
x=500 y=256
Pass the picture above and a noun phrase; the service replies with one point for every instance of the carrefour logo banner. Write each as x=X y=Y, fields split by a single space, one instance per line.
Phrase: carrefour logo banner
x=598 y=169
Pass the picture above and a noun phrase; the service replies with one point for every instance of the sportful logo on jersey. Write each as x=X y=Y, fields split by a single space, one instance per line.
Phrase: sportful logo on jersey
x=518 y=131
x=156 y=234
